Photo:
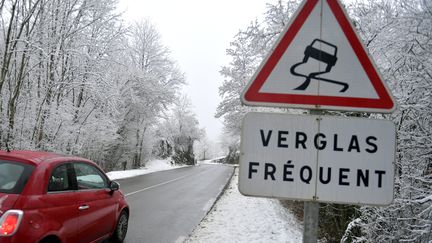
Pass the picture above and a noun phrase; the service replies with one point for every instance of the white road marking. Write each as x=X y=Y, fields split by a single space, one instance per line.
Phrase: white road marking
x=160 y=184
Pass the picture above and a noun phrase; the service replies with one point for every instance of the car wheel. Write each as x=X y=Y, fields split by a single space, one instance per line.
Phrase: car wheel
x=121 y=227
x=50 y=239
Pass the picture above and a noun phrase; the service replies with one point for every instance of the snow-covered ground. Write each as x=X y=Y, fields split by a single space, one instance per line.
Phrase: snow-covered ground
x=236 y=218
x=151 y=166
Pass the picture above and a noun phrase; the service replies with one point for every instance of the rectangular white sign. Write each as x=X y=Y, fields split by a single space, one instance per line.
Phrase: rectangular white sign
x=321 y=158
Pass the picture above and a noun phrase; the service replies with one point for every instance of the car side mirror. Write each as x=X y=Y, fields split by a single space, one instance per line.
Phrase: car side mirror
x=114 y=186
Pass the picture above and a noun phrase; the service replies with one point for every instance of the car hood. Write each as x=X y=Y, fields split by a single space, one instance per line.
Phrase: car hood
x=7 y=201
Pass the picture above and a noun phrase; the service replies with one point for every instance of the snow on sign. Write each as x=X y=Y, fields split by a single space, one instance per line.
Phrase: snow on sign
x=319 y=62
x=321 y=158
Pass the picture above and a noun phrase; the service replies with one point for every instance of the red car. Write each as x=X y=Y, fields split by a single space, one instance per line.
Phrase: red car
x=46 y=197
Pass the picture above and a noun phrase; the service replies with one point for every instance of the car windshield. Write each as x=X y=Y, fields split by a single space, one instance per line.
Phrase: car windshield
x=13 y=176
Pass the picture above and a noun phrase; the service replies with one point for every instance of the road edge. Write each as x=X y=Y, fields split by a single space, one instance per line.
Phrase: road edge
x=221 y=193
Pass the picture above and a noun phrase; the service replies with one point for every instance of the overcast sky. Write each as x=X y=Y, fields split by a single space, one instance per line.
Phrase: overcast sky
x=198 y=32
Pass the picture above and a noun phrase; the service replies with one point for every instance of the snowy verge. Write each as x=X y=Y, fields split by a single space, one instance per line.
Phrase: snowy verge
x=236 y=218
x=215 y=162
x=151 y=166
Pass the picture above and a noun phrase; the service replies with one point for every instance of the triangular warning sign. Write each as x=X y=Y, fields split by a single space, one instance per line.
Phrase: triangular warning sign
x=319 y=62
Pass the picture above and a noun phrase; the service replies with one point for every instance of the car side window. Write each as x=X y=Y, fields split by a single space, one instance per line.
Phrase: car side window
x=60 y=180
x=89 y=177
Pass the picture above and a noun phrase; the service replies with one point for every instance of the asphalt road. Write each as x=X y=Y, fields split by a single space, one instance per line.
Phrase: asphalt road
x=166 y=206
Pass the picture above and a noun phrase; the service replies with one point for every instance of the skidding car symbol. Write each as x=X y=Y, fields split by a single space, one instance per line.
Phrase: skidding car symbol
x=329 y=59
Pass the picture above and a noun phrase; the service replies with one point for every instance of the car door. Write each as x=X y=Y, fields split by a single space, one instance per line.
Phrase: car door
x=97 y=206
x=60 y=210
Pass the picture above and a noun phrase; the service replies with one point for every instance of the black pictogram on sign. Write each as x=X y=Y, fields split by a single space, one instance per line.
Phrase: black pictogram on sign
x=329 y=59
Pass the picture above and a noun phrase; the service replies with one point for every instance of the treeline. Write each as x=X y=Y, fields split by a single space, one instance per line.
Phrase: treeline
x=398 y=35
x=74 y=78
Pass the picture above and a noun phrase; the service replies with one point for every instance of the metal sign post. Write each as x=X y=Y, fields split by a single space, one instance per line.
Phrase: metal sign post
x=310 y=222
x=311 y=210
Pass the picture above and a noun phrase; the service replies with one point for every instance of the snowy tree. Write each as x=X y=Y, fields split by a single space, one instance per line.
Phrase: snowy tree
x=206 y=148
x=74 y=79
x=247 y=51
x=203 y=148
x=399 y=34
x=179 y=131
x=151 y=85
x=18 y=25
x=55 y=77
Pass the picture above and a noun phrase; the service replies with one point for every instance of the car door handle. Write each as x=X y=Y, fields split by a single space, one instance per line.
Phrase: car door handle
x=83 y=207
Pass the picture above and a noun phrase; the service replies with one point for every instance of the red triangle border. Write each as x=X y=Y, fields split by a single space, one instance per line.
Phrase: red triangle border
x=252 y=95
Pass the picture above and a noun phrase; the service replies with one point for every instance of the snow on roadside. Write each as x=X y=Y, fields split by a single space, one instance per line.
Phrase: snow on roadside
x=236 y=218
x=208 y=162
x=151 y=166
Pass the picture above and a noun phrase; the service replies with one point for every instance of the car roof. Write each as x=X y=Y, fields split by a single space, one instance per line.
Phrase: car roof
x=35 y=157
